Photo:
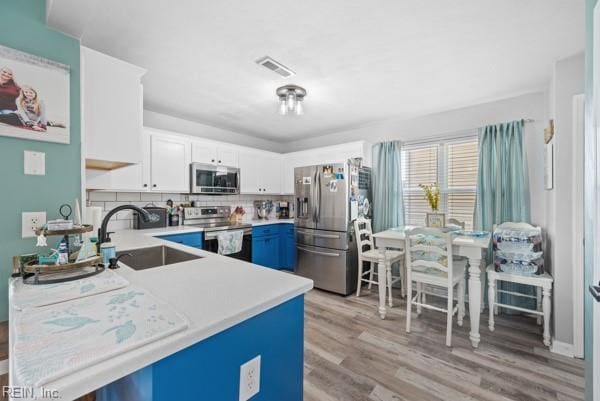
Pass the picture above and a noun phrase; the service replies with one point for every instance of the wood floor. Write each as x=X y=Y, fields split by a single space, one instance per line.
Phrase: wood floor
x=351 y=354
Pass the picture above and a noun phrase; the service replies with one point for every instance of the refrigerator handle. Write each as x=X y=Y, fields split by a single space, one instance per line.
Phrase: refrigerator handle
x=314 y=198
x=318 y=187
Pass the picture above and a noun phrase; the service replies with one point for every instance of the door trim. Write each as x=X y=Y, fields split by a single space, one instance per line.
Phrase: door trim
x=578 y=265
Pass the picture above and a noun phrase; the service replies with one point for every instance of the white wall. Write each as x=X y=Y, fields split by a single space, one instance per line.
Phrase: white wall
x=461 y=121
x=170 y=123
x=567 y=81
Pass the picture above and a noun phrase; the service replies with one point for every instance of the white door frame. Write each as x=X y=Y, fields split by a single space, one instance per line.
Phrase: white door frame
x=578 y=226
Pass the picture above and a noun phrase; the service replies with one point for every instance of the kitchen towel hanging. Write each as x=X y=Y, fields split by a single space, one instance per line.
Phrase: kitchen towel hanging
x=230 y=242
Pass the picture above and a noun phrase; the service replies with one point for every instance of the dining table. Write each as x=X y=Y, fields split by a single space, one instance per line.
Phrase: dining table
x=471 y=246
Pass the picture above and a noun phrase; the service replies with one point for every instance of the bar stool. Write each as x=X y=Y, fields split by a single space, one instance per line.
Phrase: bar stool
x=368 y=253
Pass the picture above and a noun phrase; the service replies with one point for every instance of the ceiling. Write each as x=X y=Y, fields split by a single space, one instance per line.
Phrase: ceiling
x=360 y=61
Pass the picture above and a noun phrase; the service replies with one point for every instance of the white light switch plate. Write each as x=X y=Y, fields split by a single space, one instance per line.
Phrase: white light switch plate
x=30 y=221
x=34 y=163
x=250 y=379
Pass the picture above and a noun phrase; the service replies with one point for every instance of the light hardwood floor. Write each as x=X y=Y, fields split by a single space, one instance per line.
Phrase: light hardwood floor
x=351 y=354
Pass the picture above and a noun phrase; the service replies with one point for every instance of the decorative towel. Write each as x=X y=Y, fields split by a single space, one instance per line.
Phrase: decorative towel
x=24 y=296
x=230 y=242
x=51 y=343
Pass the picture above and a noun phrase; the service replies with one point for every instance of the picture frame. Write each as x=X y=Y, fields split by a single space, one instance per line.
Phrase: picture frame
x=435 y=220
x=34 y=97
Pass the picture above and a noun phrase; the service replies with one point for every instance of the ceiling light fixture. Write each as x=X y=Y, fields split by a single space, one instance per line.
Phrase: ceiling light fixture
x=290 y=99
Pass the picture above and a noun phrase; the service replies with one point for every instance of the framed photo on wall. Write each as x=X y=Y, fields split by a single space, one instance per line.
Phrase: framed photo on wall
x=34 y=97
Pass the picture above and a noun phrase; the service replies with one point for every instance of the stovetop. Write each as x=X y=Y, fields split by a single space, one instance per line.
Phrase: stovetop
x=221 y=226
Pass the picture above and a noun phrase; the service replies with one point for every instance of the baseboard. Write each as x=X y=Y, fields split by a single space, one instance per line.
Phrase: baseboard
x=564 y=349
x=3 y=366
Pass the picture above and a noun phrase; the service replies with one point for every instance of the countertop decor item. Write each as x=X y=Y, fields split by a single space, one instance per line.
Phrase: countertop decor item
x=45 y=270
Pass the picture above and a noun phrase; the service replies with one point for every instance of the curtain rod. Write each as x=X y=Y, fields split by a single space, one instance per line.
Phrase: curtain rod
x=463 y=133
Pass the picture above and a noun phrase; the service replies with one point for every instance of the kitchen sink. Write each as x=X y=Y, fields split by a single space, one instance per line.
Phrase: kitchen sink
x=147 y=258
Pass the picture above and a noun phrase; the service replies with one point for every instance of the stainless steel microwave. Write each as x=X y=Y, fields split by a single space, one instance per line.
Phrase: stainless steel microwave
x=214 y=180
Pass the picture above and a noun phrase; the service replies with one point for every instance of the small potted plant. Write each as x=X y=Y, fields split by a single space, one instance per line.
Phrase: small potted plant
x=432 y=195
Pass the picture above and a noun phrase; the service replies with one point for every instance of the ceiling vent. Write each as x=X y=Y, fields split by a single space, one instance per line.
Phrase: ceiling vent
x=275 y=66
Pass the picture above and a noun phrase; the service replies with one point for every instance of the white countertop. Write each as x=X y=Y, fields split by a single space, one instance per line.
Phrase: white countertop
x=214 y=293
x=193 y=229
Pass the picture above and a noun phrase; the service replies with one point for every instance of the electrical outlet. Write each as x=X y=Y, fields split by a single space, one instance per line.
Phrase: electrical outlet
x=250 y=379
x=30 y=221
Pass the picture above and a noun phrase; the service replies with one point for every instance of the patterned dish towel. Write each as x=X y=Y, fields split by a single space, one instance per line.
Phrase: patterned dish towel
x=24 y=296
x=51 y=343
x=230 y=242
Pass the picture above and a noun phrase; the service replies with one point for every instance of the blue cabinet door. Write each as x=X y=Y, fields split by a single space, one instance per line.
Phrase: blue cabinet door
x=288 y=247
x=190 y=239
x=265 y=251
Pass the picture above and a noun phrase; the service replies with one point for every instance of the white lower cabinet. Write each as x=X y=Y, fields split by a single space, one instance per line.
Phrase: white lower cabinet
x=169 y=163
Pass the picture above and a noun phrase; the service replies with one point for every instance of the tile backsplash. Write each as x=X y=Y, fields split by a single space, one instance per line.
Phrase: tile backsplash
x=124 y=219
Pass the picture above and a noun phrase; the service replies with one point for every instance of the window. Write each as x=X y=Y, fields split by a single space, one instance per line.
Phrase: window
x=453 y=165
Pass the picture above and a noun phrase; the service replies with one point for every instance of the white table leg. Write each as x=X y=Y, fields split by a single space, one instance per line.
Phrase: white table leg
x=474 y=299
x=483 y=280
x=491 y=300
x=381 y=286
x=546 y=309
x=538 y=303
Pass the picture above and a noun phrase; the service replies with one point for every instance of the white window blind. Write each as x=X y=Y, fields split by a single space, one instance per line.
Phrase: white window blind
x=450 y=163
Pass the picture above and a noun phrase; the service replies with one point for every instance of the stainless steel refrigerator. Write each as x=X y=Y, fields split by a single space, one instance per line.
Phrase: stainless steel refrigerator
x=329 y=198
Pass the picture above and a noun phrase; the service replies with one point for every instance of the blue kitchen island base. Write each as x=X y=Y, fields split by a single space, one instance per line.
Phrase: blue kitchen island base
x=210 y=369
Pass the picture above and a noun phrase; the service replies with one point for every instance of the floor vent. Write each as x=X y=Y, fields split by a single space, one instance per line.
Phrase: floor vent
x=275 y=66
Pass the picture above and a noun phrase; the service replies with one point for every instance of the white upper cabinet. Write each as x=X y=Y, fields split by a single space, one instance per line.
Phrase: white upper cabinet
x=112 y=102
x=211 y=153
x=260 y=172
x=169 y=163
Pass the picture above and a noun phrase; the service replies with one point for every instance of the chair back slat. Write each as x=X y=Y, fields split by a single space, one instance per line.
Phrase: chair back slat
x=456 y=222
x=364 y=234
x=429 y=248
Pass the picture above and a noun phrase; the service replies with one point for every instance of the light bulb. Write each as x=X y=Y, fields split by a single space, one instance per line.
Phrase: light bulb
x=282 y=107
x=291 y=101
x=299 y=108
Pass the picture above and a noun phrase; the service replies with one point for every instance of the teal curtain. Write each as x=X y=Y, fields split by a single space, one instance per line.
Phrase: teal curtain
x=388 y=209
x=503 y=189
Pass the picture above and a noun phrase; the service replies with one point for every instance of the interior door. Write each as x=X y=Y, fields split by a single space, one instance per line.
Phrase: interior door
x=332 y=197
x=304 y=193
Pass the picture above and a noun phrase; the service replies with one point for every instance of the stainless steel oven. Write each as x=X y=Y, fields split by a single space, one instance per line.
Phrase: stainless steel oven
x=215 y=180
x=214 y=220
x=211 y=243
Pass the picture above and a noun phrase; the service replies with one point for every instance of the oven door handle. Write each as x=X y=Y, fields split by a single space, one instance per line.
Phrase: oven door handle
x=214 y=234
x=332 y=236
x=332 y=254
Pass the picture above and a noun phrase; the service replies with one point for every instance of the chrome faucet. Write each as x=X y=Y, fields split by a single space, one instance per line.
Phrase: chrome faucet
x=103 y=234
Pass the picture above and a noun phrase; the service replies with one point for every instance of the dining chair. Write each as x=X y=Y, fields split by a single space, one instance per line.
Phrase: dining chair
x=542 y=284
x=456 y=222
x=368 y=253
x=430 y=262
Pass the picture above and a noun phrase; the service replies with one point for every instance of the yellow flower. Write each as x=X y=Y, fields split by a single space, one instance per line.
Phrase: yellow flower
x=432 y=195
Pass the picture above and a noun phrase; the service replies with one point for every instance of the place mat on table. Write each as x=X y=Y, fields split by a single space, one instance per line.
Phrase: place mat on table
x=25 y=296
x=469 y=233
x=51 y=343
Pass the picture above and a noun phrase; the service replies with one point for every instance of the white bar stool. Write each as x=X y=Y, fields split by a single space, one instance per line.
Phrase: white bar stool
x=368 y=253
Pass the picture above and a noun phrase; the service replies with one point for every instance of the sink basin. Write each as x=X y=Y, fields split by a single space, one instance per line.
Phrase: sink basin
x=155 y=256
